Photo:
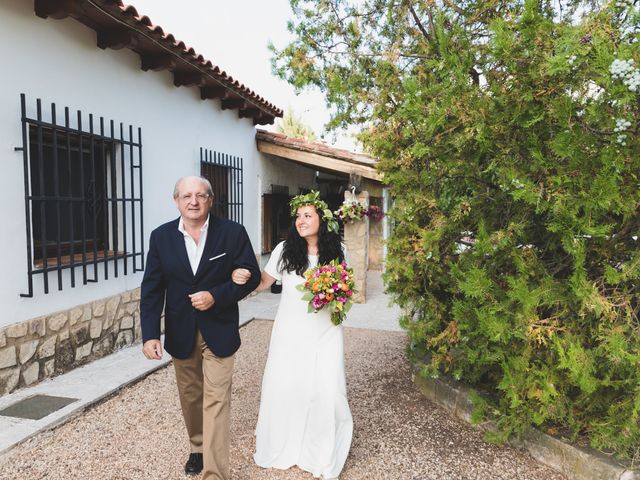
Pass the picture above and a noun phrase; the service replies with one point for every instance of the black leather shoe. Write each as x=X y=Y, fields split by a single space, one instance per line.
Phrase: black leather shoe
x=194 y=464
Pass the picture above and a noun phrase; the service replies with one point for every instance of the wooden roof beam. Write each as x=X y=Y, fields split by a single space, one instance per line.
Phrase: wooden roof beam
x=232 y=102
x=188 y=79
x=157 y=62
x=316 y=160
x=263 y=119
x=57 y=9
x=257 y=118
x=207 y=92
x=117 y=39
x=250 y=111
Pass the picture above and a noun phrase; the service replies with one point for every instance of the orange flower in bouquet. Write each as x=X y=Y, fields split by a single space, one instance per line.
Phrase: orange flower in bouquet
x=329 y=286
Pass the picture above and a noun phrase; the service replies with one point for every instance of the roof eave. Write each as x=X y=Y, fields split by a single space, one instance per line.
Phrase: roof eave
x=118 y=26
x=329 y=159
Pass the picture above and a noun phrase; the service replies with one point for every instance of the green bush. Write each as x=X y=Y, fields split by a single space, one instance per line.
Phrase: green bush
x=508 y=133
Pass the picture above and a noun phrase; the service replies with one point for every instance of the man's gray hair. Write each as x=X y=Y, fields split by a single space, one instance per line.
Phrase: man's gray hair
x=205 y=182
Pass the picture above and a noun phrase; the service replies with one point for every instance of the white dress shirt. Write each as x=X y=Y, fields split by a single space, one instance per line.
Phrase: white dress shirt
x=194 y=251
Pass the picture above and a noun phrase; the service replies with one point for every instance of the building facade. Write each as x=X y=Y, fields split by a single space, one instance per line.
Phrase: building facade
x=101 y=111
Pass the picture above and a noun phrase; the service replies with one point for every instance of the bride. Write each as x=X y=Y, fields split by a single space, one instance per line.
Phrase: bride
x=304 y=416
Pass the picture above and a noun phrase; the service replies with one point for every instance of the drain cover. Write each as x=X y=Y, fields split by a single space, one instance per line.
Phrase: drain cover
x=36 y=407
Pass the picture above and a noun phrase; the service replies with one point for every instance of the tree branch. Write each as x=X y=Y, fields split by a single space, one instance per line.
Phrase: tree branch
x=423 y=30
x=431 y=22
x=455 y=8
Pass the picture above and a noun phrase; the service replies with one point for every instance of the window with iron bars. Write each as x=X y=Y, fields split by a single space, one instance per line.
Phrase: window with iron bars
x=224 y=172
x=83 y=197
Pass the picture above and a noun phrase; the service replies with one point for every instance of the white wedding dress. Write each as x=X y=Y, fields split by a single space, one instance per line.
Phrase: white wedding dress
x=304 y=417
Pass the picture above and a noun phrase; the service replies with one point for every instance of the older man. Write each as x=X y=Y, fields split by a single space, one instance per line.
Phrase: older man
x=188 y=273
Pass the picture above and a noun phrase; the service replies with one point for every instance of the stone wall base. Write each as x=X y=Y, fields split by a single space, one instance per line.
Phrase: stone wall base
x=573 y=462
x=42 y=347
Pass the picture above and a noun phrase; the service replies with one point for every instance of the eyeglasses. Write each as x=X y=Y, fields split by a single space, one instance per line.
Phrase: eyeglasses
x=200 y=197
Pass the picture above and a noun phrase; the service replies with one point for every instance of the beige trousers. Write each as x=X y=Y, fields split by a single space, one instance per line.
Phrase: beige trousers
x=204 y=387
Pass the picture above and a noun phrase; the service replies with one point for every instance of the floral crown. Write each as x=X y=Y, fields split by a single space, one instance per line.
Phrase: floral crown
x=313 y=198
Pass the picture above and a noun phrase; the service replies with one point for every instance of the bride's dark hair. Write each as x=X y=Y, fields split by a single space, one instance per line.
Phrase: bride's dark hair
x=295 y=256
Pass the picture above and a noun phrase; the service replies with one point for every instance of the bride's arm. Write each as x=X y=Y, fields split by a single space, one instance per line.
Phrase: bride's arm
x=266 y=281
x=242 y=275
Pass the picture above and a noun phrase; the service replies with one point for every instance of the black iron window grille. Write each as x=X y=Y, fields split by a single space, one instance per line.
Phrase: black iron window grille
x=225 y=174
x=83 y=197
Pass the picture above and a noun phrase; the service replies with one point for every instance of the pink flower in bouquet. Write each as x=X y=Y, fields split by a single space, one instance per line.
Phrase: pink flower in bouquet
x=329 y=286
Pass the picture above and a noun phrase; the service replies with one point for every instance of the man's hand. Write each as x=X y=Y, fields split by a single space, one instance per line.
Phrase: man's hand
x=152 y=349
x=202 y=300
x=240 y=276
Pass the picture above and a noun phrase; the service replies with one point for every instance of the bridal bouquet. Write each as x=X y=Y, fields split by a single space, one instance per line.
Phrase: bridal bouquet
x=329 y=286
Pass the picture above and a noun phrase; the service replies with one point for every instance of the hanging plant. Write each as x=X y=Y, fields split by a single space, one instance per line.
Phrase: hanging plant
x=351 y=211
x=375 y=212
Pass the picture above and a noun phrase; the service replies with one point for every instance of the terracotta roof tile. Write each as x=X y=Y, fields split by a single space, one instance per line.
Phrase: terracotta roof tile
x=156 y=29
x=130 y=9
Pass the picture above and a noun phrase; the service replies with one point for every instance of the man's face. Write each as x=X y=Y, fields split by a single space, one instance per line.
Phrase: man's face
x=193 y=201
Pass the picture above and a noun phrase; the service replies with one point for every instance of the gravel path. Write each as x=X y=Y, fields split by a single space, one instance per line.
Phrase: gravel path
x=398 y=435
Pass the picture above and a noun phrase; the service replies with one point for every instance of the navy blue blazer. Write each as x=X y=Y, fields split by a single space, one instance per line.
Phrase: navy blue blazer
x=168 y=280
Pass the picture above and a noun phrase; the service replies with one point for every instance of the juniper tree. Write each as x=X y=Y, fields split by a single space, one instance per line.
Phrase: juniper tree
x=508 y=133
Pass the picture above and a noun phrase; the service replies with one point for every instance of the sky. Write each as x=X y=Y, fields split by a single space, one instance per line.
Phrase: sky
x=234 y=35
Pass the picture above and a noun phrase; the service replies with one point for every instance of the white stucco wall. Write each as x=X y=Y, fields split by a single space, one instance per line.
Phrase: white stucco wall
x=278 y=171
x=58 y=61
